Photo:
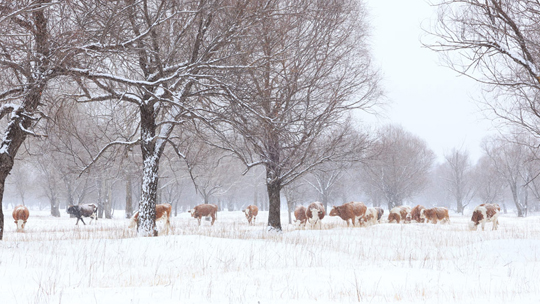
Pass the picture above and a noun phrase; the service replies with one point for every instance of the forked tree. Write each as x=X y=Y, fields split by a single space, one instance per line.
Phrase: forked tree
x=165 y=58
x=35 y=42
x=289 y=113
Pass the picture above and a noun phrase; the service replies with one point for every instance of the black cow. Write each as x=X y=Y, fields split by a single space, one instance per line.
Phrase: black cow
x=87 y=210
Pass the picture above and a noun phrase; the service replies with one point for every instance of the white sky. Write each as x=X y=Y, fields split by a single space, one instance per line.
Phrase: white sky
x=426 y=98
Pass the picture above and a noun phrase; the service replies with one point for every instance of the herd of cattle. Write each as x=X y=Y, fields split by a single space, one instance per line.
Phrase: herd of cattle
x=356 y=212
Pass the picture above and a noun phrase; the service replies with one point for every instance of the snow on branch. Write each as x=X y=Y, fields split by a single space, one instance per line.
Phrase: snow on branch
x=114 y=143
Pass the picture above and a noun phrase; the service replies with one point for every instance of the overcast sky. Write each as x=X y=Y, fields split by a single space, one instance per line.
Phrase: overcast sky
x=426 y=98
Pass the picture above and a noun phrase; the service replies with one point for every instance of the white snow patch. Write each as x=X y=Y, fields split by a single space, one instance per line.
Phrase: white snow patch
x=233 y=262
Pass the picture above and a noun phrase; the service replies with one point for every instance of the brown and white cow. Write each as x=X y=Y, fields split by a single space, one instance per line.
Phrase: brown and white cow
x=20 y=215
x=163 y=213
x=300 y=215
x=315 y=213
x=485 y=213
x=399 y=214
x=380 y=212
x=350 y=211
x=251 y=213
x=204 y=210
x=370 y=218
x=435 y=214
x=414 y=215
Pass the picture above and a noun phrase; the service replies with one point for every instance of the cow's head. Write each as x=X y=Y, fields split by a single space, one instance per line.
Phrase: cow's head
x=20 y=224
x=193 y=212
x=335 y=211
x=72 y=209
x=473 y=225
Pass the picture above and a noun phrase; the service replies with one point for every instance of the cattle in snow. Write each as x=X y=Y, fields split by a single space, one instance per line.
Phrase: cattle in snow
x=353 y=211
x=414 y=215
x=399 y=214
x=435 y=214
x=251 y=213
x=315 y=213
x=371 y=216
x=380 y=212
x=85 y=210
x=20 y=215
x=485 y=213
x=300 y=215
x=163 y=213
x=204 y=210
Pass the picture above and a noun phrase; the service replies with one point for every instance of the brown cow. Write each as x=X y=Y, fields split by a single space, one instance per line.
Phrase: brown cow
x=399 y=214
x=315 y=213
x=371 y=216
x=485 y=213
x=163 y=212
x=435 y=214
x=380 y=212
x=300 y=215
x=414 y=215
x=204 y=210
x=20 y=215
x=350 y=211
x=251 y=213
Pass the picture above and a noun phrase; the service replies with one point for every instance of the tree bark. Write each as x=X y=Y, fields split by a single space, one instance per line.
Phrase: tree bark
x=146 y=224
x=129 y=198
x=274 y=208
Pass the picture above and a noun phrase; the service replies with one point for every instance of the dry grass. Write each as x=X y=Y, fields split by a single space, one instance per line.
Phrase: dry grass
x=231 y=262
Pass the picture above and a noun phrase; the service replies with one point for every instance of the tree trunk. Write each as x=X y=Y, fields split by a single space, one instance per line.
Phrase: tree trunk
x=55 y=206
x=101 y=197
x=146 y=224
x=290 y=210
x=129 y=198
x=2 y=183
x=108 y=202
x=274 y=208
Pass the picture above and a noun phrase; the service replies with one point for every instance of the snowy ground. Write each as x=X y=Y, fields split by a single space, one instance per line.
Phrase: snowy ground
x=56 y=262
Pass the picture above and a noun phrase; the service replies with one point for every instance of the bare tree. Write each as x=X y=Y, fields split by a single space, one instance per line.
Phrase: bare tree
x=495 y=42
x=401 y=167
x=458 y=178
x=490 y=184
x=289 y=112
x=324 y=179
x=35 y=38
x=511 y=158
x=163 y=58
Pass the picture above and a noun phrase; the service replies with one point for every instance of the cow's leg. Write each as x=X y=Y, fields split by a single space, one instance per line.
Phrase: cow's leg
x=199 y=220
x=213 y=218
x=495 y=224
x=82 y=221
x=483 y=224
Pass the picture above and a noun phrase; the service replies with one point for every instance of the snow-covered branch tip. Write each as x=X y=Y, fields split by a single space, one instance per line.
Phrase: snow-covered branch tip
x=114 y=143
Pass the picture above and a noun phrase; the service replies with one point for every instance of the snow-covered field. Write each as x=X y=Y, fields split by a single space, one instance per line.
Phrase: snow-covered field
x=55 y=261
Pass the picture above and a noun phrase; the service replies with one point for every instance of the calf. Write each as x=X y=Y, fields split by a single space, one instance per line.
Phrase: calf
x=300 y=215
x=315 y=213
x=251 y=213
x=435 y=214
x=204 y=210
x=350 y=211
x=398 y=214
x=20 y=215
x=414 y=215
x=86 y=210
x=371 y=216
x=163 y=212
x=485 y=213
x=380 y=212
